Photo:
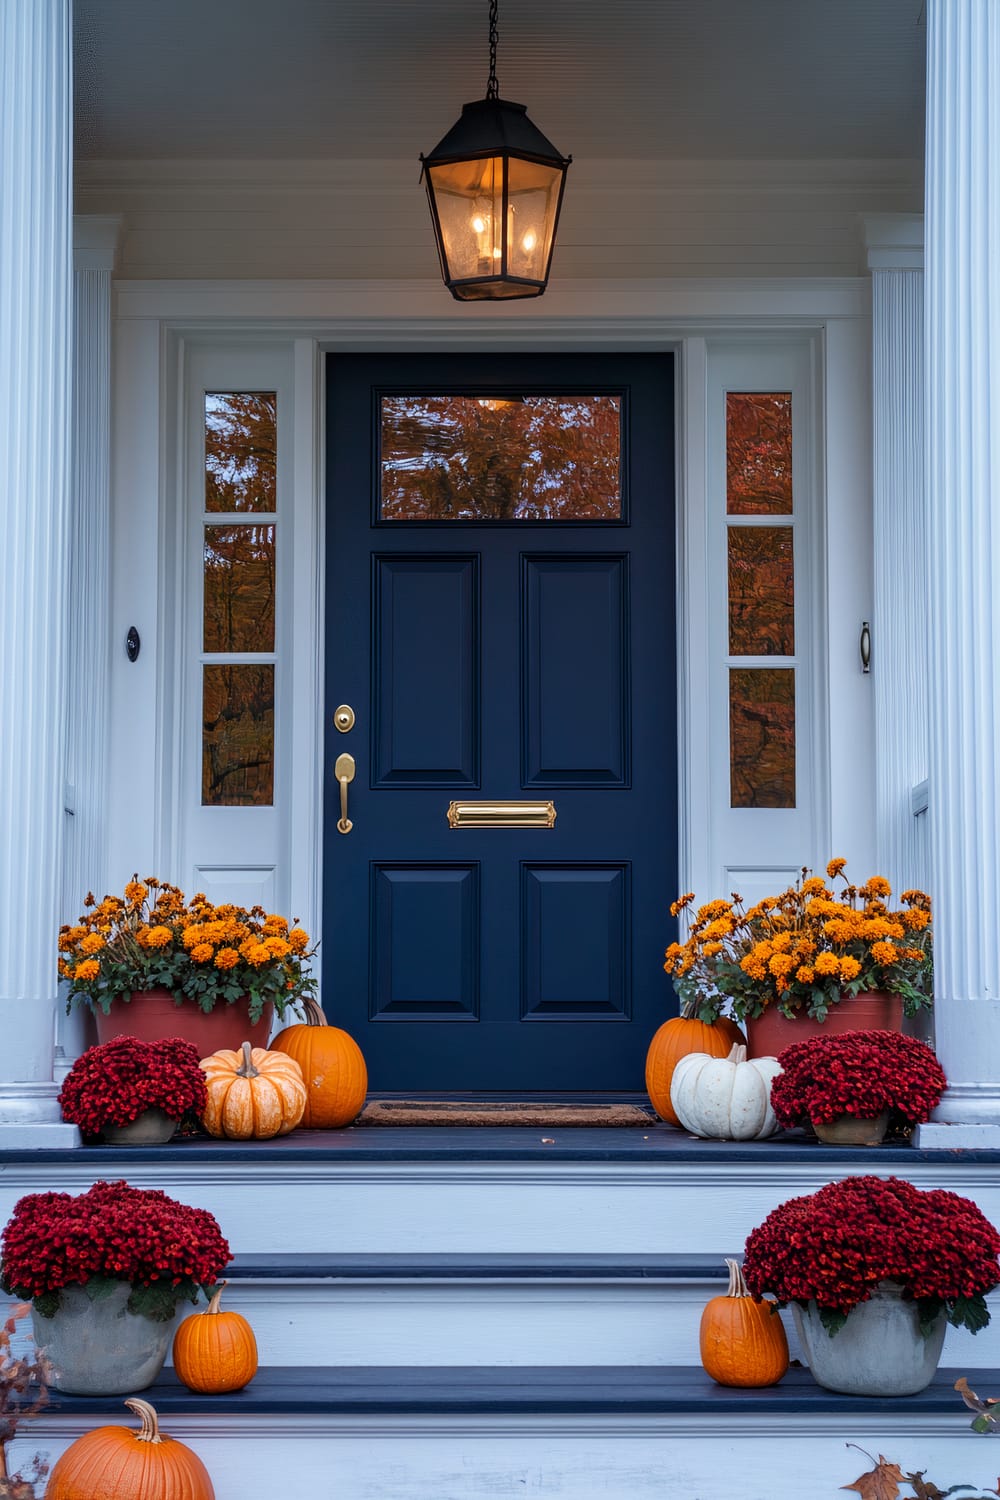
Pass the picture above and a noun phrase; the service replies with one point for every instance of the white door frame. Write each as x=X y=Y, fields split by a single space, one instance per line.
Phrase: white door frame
x=158 y=323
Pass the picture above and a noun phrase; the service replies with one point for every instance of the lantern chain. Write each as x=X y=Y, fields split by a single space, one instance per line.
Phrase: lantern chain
x=492 y=87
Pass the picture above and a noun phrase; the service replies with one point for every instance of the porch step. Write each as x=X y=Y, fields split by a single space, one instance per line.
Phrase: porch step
x=445 y=1240
x=593 y=1434
x=488 y=1192
x=501 y=1310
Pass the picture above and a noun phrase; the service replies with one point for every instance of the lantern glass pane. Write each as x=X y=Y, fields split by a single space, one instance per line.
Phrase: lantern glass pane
x=468 y=196
x=532 y=201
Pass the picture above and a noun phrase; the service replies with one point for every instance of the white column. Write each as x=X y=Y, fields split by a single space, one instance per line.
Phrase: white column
x=899 y=611
x=963 y=537
x=35 y=322
x=85 y=847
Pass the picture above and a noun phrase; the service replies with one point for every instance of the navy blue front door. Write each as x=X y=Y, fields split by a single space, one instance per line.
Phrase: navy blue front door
x=509 y=658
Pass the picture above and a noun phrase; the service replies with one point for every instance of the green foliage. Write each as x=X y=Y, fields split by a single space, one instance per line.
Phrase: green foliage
x=969 y=1312
x=832 y=1319
x=99 y=1287
x=47 y=1305
x=159 y=1301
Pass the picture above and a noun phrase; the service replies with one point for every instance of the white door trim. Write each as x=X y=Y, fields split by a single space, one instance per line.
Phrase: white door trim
x=312 y=318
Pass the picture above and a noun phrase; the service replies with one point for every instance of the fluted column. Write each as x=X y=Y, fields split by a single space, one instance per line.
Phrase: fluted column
x=35 y=353
x=899 y=610
x=962 y=269
x=84 y=866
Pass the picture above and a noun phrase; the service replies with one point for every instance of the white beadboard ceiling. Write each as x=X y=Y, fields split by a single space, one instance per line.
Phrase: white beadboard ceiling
x=618 y=79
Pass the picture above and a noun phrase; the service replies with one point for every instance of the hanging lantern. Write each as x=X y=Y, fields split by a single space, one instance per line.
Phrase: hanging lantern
x=495 y=186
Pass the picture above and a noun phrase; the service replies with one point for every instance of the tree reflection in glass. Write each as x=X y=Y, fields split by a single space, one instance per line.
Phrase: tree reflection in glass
x=500 y=458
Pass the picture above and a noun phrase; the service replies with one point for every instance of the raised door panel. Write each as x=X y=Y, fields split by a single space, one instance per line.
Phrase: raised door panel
x=426 y=669
x=425 y=942
x=575 y=942
x=574 y=670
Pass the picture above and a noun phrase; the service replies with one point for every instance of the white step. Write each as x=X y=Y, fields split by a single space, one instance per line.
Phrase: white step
x=664 y=1194
x=621 y=1434
x=488 y=1194
x=500 y=1311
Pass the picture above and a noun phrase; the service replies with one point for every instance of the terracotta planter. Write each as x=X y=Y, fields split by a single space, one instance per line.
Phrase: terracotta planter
x=151 y=1128
x=769 y=1034
x=880 y=1350
x=848 y=1130
x=153 y=1016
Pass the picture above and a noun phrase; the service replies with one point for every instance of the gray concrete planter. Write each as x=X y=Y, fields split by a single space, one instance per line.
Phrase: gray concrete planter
x=100 y=1348
x=879 y=1351
x=151 y=1128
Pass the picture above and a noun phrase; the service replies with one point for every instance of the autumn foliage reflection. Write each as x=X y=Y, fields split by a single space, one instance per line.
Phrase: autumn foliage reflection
x=237 y=765
x=241 y=466
x=241 y=451
x=529 y=458
x=762 y=737
x=239 y=588
x=761 y=600
x=758 y=454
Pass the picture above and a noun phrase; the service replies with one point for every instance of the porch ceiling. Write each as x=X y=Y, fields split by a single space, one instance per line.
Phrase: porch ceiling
x=385 y=78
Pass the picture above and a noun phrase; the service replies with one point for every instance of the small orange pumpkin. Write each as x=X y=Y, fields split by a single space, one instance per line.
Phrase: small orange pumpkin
x=674 y=1040
x=215 y=1351
x=333 y=1068
x=116 y=1463
x=742 y=1341
x=253 y=1094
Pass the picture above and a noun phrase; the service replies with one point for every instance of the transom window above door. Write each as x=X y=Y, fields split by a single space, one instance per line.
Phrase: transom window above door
x=500 y=457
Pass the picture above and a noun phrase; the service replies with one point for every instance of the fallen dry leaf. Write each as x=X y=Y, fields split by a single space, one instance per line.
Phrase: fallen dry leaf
x=924 y=1490
x=880 y=1483
x=987 y=1408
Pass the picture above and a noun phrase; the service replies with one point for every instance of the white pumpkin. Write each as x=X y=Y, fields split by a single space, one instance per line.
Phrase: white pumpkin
x=725 y=1098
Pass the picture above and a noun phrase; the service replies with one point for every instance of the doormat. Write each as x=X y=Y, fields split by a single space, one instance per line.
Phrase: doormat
x=533 y=1116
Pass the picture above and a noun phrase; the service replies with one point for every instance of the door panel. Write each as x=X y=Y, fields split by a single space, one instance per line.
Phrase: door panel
x=425 y=952
x=510 y=658
x=575 y=671
x=575 y=942
x=425 y=728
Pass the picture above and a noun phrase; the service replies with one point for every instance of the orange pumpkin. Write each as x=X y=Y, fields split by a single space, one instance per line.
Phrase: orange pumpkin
x=215 y=1351
x=742 y=1341
x=252 y=1094
x=674 y=1040
x=333 y=1067
x=116 y=1463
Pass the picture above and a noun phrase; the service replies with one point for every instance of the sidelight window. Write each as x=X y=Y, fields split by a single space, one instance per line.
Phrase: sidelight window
x=238 y=611
x=760 y=517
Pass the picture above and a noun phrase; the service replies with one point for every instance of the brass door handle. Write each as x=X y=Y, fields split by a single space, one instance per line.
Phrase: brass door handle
x=344 y=771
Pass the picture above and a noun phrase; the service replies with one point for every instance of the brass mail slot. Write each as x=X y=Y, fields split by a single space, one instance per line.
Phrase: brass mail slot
x=501 y=814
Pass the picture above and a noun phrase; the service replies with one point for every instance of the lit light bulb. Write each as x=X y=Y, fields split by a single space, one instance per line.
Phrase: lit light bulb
x=479 y=224
x=496 y=252
x=529 y=242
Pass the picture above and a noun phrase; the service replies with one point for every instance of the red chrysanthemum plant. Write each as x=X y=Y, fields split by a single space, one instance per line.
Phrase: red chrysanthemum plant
x=116 y=1082
x=167 y=1251
x=859 y=1073
x=833 y=1247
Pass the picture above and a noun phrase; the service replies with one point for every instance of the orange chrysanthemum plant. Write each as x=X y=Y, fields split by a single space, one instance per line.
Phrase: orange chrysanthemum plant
x=209 y=955
x=804 y=949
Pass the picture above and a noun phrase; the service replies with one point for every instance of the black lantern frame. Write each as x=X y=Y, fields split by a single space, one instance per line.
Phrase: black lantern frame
x=493 y=165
